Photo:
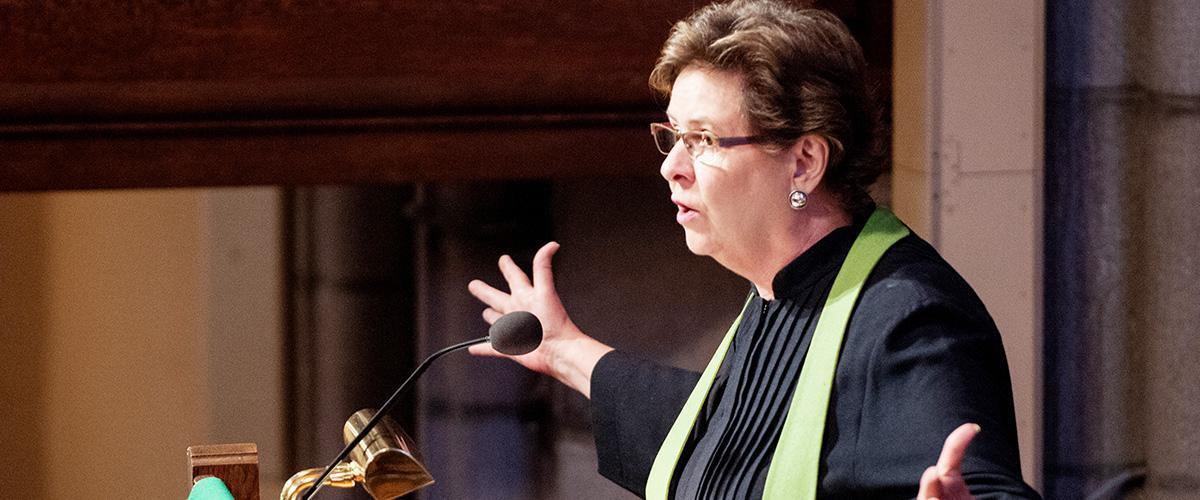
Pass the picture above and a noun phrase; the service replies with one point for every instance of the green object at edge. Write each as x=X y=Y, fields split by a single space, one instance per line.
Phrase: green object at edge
x=210 y=488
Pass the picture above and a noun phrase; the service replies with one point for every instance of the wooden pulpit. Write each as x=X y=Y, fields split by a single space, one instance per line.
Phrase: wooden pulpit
x=235 y=464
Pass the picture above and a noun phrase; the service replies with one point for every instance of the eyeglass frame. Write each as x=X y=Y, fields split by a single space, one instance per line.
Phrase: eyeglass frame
x=719 y=142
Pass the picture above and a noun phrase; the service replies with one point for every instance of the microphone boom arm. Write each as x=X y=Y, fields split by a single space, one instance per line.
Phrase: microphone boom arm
x=383 y=410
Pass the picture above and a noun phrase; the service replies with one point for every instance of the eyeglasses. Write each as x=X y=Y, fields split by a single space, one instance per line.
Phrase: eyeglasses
x=697 y=142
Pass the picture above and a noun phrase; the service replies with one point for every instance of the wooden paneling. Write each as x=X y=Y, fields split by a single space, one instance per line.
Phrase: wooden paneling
x=236 y=465
x=168 y=93
x=140 y=58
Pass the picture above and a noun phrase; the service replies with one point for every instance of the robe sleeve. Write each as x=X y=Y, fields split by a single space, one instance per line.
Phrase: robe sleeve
x=634 y=403
x=941 y=364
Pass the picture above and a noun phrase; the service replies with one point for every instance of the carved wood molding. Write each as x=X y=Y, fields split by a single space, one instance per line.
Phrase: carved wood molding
x=302 y=152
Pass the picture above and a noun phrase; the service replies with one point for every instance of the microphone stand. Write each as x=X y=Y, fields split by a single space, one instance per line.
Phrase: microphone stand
x=387 y=405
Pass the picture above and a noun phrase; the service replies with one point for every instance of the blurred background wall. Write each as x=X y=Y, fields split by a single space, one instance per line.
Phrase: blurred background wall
x=135 y=324
x=141 y=322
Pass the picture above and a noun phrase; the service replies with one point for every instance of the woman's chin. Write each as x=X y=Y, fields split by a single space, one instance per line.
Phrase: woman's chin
x=697 y=243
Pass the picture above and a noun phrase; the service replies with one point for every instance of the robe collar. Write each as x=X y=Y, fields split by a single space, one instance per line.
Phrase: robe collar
x=822 y=259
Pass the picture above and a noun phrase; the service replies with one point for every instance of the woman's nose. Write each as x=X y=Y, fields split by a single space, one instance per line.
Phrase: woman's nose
x=677 y=166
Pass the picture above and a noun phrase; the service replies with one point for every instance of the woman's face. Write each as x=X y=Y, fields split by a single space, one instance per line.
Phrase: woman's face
x=731 y=201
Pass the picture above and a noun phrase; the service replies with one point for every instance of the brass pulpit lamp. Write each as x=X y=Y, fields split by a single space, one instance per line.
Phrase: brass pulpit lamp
x=398 y=471
x=385 y=462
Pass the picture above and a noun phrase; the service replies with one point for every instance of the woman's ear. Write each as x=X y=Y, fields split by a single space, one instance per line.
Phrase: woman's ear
x=811 y=152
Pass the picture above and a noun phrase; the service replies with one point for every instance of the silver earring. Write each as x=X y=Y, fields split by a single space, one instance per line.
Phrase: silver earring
x=798 y=199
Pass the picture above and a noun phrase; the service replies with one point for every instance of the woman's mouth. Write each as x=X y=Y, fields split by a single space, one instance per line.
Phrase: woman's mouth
x=685 y=213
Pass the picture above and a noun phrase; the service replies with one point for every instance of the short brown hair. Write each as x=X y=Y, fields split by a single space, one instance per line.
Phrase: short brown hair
x=804 y=74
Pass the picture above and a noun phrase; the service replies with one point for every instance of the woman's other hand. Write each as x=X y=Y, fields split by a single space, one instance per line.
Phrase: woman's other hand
x=565 y=353
x=944 y=481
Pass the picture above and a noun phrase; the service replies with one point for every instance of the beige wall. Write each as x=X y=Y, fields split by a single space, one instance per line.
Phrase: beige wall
x=968 y=83
x=116 y=338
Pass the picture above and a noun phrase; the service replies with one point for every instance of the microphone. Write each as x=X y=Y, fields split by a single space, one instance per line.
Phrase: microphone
x=515 y=333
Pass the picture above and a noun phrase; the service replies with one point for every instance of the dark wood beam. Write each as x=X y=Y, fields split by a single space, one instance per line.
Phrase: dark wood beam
x=165 y=94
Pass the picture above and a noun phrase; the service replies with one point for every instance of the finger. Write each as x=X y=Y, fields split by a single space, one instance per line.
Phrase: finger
x=931 y=486
x=543 y=272
x=956 y=446
x=491 y=315
x=513 y=274
x=485 y=349
x=485 y=293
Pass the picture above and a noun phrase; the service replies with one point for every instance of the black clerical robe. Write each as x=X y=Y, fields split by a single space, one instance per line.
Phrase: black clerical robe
x=921 y=356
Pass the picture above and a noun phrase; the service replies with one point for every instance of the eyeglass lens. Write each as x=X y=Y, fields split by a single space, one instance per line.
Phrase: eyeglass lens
x=664 y=138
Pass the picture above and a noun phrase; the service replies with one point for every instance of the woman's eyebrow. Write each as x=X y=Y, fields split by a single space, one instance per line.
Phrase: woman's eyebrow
x=701 y=122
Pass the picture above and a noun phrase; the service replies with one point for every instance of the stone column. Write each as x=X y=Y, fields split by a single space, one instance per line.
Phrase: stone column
x=1168 y=74
x=968 y=158
x=1121 y=251
x=1093 y=360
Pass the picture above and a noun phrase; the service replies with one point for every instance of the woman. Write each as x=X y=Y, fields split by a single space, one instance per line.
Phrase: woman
x=771 y=146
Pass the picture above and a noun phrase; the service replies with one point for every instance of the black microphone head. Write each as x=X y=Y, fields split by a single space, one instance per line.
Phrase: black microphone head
x=516 y=333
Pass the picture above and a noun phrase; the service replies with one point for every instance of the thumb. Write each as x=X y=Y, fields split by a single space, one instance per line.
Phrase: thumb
x=543 y=272
x=955 y=448
x=931 y=486
x=485 y=349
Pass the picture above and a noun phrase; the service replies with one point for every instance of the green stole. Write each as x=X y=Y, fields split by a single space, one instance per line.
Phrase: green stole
x=796 y=461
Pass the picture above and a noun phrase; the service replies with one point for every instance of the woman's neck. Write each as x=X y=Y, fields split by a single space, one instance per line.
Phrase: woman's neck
x=778 y=250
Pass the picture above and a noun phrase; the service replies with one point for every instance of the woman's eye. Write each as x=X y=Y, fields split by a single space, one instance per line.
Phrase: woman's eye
x=707 y=140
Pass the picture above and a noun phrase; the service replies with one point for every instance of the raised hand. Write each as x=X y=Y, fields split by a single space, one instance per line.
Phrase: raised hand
x=566 y=353
x=944 y=481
